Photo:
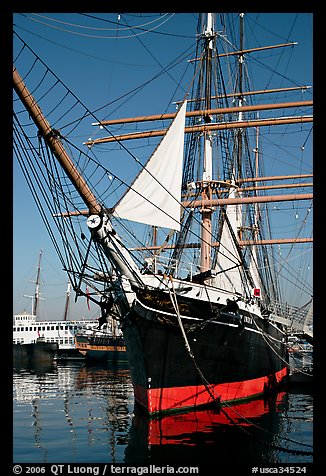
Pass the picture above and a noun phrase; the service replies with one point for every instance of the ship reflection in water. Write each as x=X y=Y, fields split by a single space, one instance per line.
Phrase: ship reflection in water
x=252 y=431
x=78 y=413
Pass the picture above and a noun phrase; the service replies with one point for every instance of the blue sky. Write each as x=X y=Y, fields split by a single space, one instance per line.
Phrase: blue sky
x=100 y=58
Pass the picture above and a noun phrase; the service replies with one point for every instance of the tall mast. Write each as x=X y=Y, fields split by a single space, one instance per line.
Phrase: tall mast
x=206 y=226
x=241 y=61
x=241 y=99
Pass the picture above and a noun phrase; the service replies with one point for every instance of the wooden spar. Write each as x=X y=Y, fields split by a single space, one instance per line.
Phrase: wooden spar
x=270 y=187
x=222 y=110
x=250 y=93
x=245 y=200
x=243 y=52
x=259 y=187
x=275 y=241
x=220 y=202
x=272 y=177
x=206 y=127
x=51 y=137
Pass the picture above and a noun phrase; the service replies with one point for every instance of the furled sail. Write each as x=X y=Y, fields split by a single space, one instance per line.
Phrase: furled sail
x=254 y=261
x=154 y=197
x=253 y=267
x=229 y=266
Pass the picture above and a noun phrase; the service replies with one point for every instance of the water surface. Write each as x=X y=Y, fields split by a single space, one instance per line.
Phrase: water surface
x=77 y=413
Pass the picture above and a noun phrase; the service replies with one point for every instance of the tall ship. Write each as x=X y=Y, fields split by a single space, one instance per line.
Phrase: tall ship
x=103 y=343
x=38 y=339
x=181 y=250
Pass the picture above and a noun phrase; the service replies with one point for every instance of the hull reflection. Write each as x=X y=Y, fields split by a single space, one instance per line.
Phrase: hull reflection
x=180 y=429
x=199 y=436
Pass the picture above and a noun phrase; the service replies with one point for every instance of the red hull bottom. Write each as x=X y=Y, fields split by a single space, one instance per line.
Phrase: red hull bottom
x=157 y=400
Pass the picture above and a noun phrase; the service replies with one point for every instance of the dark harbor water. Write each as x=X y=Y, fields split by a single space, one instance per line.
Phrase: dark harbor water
x=73 y=412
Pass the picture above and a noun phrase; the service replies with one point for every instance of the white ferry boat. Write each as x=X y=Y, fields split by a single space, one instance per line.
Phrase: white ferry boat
x=46 y=340
x=28 y=330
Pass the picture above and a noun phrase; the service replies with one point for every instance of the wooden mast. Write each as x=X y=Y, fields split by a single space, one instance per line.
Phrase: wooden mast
x=206 y=210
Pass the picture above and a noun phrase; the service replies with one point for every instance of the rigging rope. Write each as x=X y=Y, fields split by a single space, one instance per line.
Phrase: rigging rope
x=98 y=36
x=82 y=154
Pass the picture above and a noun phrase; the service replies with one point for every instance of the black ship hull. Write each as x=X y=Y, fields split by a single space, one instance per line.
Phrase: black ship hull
x=232 y=358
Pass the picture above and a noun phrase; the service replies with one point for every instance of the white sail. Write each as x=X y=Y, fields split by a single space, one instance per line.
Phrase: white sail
x=154 y=198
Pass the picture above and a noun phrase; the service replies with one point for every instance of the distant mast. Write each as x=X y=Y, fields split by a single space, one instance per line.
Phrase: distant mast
x=37 y=285
x=67 y=301
x=206 y=227
x=36 y=296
